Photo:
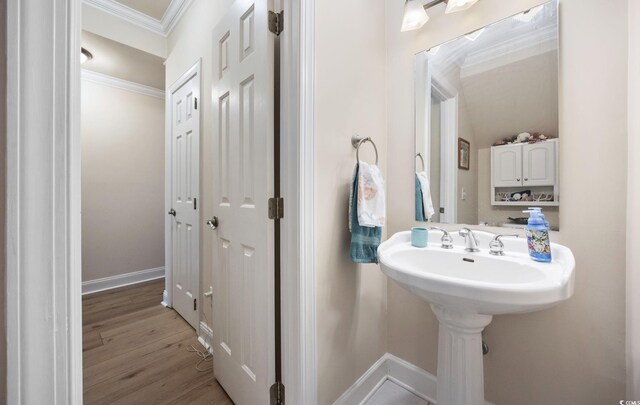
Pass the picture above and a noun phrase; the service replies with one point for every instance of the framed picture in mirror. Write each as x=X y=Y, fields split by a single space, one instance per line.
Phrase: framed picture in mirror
x=464 y=153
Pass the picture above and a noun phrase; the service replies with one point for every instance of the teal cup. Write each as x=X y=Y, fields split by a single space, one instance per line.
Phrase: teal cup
x=419 y=237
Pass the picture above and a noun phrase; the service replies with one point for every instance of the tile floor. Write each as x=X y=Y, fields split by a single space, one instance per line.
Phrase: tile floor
x=391 y=393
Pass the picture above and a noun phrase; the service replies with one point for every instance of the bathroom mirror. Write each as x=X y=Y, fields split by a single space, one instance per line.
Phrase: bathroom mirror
x=486 y=139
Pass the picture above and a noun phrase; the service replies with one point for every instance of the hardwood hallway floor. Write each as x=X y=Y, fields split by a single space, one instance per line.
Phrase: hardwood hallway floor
x=136 y=351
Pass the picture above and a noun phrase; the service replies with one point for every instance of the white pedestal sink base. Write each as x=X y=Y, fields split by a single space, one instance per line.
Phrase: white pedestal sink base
x=460 y=372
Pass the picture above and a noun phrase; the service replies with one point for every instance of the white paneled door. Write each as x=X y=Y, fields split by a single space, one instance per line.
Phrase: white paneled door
x=243 y=251
x=185 y=150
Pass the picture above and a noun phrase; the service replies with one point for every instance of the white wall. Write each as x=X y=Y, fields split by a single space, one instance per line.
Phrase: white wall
x=350 y=87
x=574 y=353
x=633 y=220
x=191 y=40
x=122 y=181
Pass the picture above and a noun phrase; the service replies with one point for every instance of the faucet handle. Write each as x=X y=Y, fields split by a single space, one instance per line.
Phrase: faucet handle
x=447 y=240
x=496 y=247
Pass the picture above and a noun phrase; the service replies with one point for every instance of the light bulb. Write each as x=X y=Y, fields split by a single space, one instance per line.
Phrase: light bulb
x=414 y=15
x=529 y=14
x=454 y=6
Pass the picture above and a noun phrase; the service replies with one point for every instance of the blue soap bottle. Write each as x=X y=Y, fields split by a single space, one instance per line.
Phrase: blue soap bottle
x=537 y=231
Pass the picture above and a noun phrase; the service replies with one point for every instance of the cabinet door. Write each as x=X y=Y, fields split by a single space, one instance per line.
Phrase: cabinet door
x=539 y=164
x=507 y=166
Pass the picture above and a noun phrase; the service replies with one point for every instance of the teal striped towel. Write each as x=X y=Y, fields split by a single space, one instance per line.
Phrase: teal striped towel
x=364 y=240
x=419 y=202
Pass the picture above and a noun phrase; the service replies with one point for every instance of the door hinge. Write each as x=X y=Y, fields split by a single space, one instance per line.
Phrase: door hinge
x=276 y=208
x=277 y=394
x=195 y=304
x=276 y=22
x=442 y=210
x=195 y=102
x=195 y=203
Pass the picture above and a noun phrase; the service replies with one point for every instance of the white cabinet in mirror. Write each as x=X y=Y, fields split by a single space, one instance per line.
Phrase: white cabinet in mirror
x=525 y=174
x=487 y=127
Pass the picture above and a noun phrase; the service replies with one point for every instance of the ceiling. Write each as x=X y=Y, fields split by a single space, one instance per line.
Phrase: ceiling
x=123 y=62
x=152 y=8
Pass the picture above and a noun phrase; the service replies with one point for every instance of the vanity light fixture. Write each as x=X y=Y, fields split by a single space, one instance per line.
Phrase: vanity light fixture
x=529 y=14
x=415 y=15
x=85 y=55
x=453 y=6
x=472 y=36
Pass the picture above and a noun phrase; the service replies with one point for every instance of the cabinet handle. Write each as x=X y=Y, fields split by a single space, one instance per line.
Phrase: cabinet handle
x=526 y=179
x=517 y=179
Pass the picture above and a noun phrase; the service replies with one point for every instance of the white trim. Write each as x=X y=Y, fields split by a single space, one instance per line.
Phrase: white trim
x=128 y=14
x=195 y=70
x=163 y=27
x=297 y=175
x=389 y=367
x=121 y=280
x=43 y=232
x=111 y=81
x=205 y=336
x=512 y=50
x=174 y=13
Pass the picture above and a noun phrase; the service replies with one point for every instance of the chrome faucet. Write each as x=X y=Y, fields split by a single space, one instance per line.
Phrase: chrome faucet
x=446 y=240
x=470 y=240
x=496 y=247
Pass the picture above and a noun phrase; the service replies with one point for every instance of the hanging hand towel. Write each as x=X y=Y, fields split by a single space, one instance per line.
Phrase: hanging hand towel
x=364 y=240
x=371 y=198
x=419 y=204
x=426 y=195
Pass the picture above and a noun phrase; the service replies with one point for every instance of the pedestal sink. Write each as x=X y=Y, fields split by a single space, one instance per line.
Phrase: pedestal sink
x=466 y=289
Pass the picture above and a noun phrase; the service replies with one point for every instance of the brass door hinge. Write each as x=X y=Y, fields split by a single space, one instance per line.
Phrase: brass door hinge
x=276 y=208
x=276 y=22
x=195 y=304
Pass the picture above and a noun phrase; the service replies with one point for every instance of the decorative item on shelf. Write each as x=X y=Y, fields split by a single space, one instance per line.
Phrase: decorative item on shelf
x=522 y=196
x=464 y=154
x=524 y=137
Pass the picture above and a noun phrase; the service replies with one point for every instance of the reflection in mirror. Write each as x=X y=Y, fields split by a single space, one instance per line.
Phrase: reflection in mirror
x=487 y=138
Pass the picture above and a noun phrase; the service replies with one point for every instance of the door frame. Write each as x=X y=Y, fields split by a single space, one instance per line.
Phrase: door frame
x=437 y=86
x=43 y=243
x=167 y=295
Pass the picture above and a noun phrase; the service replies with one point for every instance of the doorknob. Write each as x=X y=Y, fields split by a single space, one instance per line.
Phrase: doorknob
x=172 y=212
x=213 y=222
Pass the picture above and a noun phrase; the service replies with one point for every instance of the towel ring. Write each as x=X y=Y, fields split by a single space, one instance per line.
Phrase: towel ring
x=357 y=141
x=421 y=159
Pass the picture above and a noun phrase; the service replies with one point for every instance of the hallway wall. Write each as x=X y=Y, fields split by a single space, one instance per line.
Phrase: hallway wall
x=122 y=181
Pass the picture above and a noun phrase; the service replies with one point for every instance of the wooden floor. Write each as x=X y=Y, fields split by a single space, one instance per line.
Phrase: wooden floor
x=135 y=351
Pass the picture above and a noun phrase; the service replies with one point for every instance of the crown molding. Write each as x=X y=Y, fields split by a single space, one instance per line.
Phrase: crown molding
x=174 y=13
x=163 y=27
x=121 y=84
x=511 y=50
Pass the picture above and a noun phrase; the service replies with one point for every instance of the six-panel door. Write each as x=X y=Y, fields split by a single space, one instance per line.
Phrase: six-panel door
x=243 y=251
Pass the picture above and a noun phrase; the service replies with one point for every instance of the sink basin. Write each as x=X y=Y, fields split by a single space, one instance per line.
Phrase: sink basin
x=479 y=282
x=466 y=289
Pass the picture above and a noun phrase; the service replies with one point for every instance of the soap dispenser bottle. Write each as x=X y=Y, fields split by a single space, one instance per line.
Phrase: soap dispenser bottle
x=537 y=231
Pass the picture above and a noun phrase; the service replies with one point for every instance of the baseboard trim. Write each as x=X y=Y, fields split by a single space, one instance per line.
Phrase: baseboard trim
x=205 y=336
x=122 y=280
x=397 y=370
